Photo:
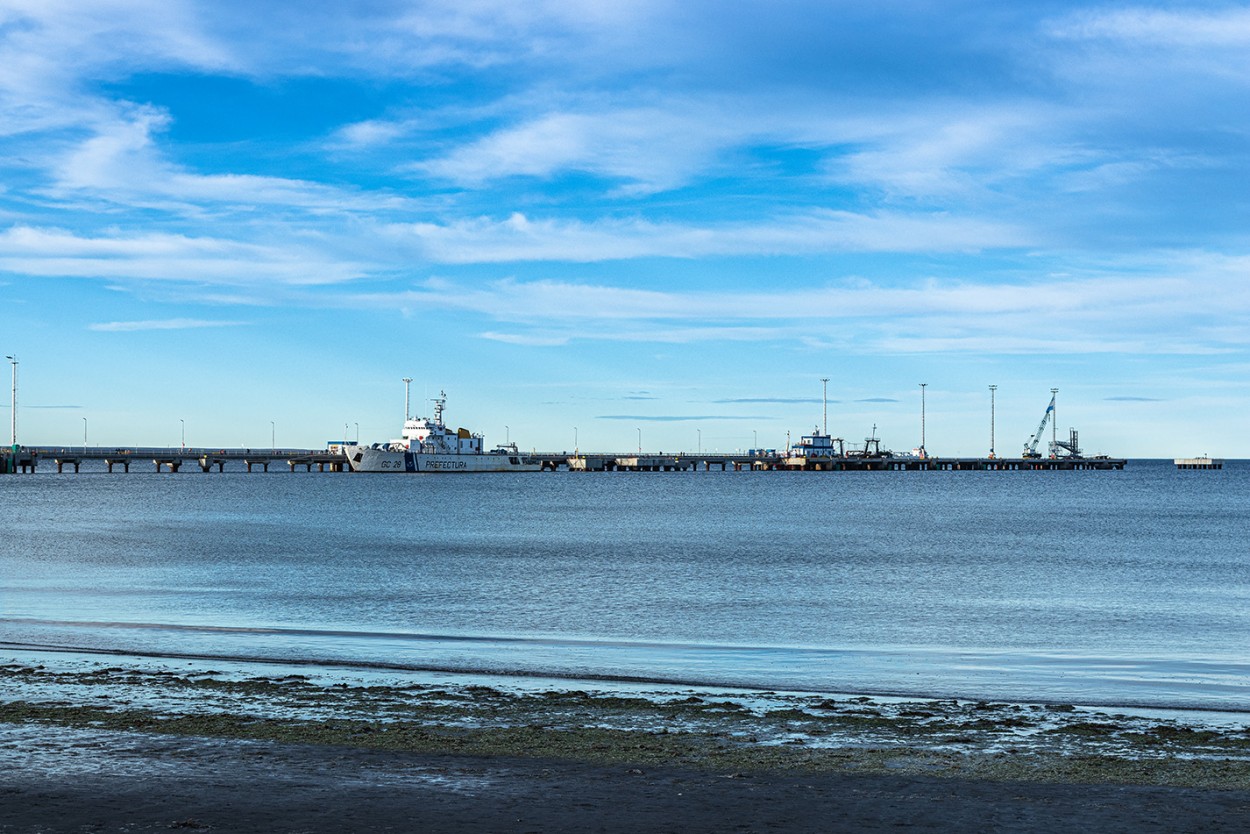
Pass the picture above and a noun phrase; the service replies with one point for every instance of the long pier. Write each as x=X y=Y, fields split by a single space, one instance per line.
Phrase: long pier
x=846 y=463
x=166 y=459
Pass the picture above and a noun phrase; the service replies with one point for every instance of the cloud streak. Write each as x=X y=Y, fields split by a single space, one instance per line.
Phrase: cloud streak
x=160 y=324
x=680 y=418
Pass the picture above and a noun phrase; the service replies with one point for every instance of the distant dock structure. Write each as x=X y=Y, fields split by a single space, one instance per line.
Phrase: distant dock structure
x=1203 y=462
x=817 y=453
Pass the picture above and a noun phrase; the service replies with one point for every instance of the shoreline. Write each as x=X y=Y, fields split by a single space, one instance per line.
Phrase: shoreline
x=200 y=748
x=1223 y=689
x=760 y=730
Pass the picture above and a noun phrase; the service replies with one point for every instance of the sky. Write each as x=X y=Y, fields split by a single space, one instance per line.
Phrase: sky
x=627 y=223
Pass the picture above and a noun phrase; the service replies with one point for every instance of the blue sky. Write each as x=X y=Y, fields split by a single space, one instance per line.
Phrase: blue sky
x=668 y=216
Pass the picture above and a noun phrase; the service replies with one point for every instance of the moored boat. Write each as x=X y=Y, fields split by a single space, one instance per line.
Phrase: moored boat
x=428 y=445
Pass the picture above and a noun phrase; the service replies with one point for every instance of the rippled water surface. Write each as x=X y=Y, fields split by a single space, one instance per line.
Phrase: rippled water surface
x=1125 y=587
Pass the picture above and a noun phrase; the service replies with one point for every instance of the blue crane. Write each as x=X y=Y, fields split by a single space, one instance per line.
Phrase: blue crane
x=1030 y=446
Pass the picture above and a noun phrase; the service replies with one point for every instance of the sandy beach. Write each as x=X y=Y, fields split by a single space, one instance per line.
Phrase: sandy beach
x=111 y=748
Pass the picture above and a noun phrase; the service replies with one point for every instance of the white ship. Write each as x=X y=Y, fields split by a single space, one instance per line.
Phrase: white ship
x=426 y=445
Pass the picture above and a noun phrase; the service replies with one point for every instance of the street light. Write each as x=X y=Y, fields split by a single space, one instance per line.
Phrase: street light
x=273 y=433
x=184 y=433
x=700 y=431
x=640 y=440
x=84 y=435
x=923 y=453
x=13 y=362
x=1054 y=423
x=993 y=388
x=357 y=434
x=824 y=398
x=507 y=434
x=756 y=435
x=575 y=446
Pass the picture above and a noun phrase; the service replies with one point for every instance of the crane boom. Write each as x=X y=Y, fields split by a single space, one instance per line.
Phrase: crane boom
x=1030 y=447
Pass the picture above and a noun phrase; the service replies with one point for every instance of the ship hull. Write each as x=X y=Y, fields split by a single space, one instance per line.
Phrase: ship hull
x=364 y=459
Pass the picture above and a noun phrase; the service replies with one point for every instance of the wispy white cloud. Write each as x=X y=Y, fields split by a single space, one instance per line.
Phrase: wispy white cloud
x=525 y=339
x=122 y=163
x=1227 y=27
x=681 y=418
x=160 y=324
x=648 y=148
x=1156 y=311
x=163 y=257
x=518 y=238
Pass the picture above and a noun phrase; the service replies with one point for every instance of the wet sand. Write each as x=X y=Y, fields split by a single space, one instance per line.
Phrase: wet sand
x=114 y=748
x=145 y=782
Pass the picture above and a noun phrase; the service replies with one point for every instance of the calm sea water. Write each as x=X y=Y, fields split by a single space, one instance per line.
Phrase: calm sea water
x=1129 y=588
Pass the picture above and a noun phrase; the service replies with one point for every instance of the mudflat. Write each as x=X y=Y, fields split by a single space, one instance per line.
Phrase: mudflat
x=85 y=780
x=108 y=748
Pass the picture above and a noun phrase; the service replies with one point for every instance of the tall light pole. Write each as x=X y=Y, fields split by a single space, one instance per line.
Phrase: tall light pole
x=756 y=435
x=13 y=406
x=184 y=433
x=993 y=388
x=824 y=398
x=273 y=436
x=357 y=434
x=1054 y=422
x=639 y=440
x=84 y=435
x=507 y=435
x=575 y=446
x=407 y=386
x=923 y=453
x=700 y=432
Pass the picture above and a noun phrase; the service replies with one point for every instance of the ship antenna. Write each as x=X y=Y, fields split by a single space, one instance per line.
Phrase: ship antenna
x=438 y=407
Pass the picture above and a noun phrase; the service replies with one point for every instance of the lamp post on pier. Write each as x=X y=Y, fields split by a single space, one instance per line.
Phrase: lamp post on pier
x=84 y=435
x=700 y=431
x=575 y=446
x=184 y=433
x=13 y=404
x=993 y=388
x=273 y=435
x=1054 y=424
x=639 y=440
x=824 y=399
x=923 y=453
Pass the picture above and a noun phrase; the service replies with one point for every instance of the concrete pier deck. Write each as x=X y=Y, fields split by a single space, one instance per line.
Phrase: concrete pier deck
x=166 y=459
